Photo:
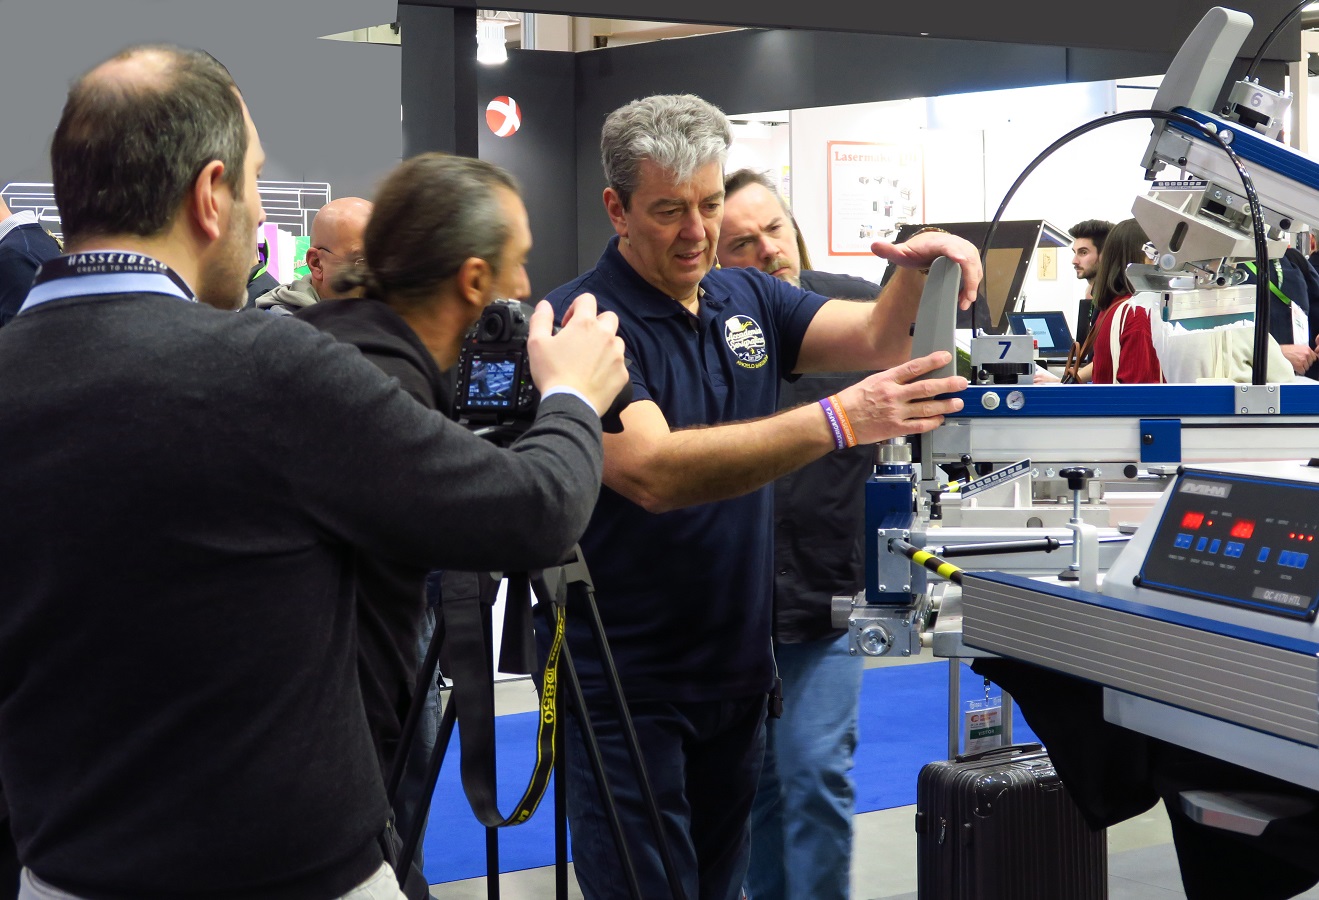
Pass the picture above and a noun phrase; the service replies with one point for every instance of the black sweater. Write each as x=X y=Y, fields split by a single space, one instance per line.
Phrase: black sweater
x=820 y=509
x=185 y=491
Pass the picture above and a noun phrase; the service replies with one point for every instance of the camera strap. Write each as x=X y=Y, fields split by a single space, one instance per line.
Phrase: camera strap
x=467 y=632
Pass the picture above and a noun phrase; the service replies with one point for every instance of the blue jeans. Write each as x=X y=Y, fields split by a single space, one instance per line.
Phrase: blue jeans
x=801 y=824
x=703 y=760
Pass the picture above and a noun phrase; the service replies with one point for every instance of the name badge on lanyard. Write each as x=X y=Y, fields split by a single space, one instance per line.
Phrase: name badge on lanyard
x=104 y=272
x=1300 y=326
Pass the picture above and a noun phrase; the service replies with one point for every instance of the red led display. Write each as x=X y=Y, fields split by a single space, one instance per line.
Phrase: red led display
x=1193 y=520
x=1243 y=528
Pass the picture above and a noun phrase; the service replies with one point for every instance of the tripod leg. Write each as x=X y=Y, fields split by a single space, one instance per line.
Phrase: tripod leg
x=432 y=776
x=424 y=677
x=491 y=863
x=633 y=747
x=561 y=805
x=601 y=780
x=560 y=801
x=412 y=823
x=491 y=834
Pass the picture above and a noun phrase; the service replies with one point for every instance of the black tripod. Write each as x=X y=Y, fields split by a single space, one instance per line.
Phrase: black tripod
x=468 y=629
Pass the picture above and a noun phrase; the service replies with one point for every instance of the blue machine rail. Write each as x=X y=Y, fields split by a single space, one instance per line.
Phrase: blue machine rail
x=1256 y=148
x=1077 y=401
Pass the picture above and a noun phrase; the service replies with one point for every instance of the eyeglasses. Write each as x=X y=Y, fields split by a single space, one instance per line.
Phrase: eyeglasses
x=359 y=263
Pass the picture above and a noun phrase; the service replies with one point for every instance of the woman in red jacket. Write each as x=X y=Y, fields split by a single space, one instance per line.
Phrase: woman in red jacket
x=1123 y=345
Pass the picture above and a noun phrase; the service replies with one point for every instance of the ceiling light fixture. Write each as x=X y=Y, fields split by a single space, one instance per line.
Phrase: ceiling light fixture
x=490 y=47
x=491 y=41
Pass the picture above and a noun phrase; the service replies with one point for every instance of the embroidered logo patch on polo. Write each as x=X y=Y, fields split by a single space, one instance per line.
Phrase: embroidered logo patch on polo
x=746 y=340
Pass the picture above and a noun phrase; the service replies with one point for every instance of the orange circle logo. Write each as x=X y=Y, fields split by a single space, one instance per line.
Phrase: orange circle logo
x=503 y=116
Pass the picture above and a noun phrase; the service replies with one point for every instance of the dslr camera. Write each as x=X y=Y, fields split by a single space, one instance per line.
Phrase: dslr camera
x=493 y=384
x=493 y=392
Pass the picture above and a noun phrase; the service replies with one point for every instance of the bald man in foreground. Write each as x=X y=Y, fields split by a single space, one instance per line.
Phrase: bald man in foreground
x=336 y=246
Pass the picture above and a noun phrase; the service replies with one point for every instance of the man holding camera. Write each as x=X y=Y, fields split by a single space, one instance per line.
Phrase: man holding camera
x=186 y=491
x=680 y=546
x=447 y=237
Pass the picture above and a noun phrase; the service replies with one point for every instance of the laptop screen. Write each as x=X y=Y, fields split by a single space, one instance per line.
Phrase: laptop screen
x=1050 y=330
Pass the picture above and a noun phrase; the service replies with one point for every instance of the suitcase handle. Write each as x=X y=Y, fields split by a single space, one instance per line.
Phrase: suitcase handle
x=1009 y=750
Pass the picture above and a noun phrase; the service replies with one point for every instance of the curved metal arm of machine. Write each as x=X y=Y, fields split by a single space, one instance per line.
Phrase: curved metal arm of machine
x=1222 y=139
x=936 y=316
x=1180 y=136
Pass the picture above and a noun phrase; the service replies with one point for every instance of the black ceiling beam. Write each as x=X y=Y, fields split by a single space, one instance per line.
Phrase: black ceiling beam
x=1138 y=25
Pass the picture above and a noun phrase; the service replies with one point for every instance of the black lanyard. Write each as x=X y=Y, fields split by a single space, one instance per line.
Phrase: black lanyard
x=104 y=272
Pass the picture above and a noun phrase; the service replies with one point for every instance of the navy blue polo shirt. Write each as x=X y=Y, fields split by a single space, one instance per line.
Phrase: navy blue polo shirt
x=24 y=246
x=685 y=596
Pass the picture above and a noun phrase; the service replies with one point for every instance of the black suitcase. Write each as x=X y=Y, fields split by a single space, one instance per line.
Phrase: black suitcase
x=999 y=825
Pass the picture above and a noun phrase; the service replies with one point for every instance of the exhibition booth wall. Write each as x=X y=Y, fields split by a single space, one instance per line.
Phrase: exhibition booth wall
x=855 y=173
x=327 y=109
x=828 y=83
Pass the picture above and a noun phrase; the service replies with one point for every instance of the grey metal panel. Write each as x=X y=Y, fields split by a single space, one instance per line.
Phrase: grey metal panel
x=326 y=110
x=1265 y=688
x=1214 y=737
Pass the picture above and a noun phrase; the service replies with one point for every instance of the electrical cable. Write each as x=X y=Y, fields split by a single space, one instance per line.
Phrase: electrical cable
x=1268 y=41
x=1258 y=364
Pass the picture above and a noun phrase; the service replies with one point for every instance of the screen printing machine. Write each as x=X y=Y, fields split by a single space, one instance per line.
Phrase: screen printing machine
x=1167 y=647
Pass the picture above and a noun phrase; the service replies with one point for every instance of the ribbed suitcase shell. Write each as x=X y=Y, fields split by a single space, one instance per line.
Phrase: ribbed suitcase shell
x=1000 y=826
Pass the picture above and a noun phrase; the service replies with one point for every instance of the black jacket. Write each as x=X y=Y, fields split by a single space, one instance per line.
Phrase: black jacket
x=819 y=510
x=1300 y=282
x=391 y=595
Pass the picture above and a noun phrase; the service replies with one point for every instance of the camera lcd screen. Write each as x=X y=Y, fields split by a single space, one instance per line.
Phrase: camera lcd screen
x=492 y=383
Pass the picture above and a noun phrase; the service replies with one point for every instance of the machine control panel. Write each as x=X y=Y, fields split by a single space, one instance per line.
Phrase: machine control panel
x=1249 y=542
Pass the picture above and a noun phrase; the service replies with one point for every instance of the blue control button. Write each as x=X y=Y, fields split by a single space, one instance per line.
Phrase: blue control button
x=1293 y=560
x=1200 y=544
x=1213 y=545
x=1263 y=555
x=1183 y=542
x=1234 y=549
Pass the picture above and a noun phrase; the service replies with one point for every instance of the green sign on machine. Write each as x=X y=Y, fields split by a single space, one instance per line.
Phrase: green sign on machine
x=300 y=244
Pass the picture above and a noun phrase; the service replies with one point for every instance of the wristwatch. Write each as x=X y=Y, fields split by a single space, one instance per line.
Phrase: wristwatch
x=925 y=270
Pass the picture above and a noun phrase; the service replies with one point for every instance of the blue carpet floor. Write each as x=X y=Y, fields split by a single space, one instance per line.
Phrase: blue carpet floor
x=904 y=725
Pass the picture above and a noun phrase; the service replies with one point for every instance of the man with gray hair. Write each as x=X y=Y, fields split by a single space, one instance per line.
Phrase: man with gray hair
x=680 y=545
